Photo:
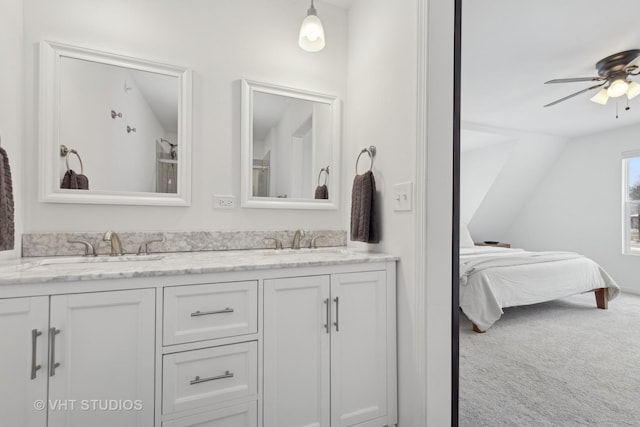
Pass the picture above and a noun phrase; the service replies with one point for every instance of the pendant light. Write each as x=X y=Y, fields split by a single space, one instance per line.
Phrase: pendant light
x=311 y=32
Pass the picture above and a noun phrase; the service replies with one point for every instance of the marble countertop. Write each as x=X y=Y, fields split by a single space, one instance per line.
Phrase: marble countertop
x=68 y=269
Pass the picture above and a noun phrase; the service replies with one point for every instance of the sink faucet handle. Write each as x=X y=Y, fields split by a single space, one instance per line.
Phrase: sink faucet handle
x=89 y=250
x=313 y=244
x=278 y=241
x=143 y=249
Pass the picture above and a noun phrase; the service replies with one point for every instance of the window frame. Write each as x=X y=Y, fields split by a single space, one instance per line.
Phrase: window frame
x=627 y=204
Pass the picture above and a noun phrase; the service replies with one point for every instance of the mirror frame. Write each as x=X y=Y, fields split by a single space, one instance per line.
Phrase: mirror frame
x=249 y=87
x=49 y=129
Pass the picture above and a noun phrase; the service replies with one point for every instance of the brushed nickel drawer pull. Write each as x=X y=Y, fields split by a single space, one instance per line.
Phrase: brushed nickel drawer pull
x=52 y=343
x=34 y=342
x=198 y=380
x=205 y=313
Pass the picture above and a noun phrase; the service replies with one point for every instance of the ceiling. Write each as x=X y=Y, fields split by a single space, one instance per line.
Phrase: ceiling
x=510 y=48
x=345 y=4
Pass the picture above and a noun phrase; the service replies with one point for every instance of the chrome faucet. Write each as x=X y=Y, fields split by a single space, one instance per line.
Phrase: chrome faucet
x=116 y=245
x=296 y=239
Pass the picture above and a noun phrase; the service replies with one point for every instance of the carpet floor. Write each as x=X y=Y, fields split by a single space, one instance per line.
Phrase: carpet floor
x=561 y=363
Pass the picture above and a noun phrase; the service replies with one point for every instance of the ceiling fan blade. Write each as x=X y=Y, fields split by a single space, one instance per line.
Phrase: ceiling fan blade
x=574 y=94
x=576 y=79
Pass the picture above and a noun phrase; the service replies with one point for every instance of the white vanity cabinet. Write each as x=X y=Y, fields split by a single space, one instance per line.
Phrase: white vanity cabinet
x=95 y=354
x=329 y=350
x=254 y=339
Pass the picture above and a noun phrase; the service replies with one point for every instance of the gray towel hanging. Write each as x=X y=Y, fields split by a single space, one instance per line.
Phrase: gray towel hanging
x=364 y=227
x=71 y=179
x=7 y=218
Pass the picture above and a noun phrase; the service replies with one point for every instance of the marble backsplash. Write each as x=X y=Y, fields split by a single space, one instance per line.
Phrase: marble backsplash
x=56 y=244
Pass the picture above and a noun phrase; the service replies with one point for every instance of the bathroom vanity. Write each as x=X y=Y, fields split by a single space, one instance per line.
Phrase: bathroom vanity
x=269 y=338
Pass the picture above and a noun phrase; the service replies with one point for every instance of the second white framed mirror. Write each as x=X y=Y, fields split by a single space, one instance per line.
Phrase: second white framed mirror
x=290 y=148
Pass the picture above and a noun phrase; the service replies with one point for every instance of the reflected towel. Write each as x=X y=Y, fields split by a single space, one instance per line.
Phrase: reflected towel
x=322 y=192
x=364 y=227
x=74 y=181
x=7 y=224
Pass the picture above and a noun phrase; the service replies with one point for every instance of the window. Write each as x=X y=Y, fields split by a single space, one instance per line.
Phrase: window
x=631 y=202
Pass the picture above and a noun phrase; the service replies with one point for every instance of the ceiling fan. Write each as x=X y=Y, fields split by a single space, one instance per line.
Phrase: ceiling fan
x=613 y=73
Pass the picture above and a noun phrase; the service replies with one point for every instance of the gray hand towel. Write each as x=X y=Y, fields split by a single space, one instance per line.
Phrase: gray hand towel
x=322 y=192
x=364 y=227
x=7 y=224
x=74 y=181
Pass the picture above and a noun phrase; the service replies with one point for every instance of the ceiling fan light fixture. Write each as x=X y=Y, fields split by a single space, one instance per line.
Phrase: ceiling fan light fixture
x=617 y=88
x=601 y=97
x=633 y=91
x=311 y=32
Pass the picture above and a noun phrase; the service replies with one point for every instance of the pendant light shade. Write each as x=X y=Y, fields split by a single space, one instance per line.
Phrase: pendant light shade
x=311 y=32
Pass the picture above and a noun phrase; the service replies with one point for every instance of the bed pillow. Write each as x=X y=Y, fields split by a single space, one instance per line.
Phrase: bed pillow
x=465 y=237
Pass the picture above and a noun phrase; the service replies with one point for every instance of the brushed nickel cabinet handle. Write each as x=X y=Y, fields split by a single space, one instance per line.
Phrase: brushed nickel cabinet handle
x=34 y=344
x=198 y=380
x=52 y=343
x=326 y=325
x=206 y=313
x=337 y=322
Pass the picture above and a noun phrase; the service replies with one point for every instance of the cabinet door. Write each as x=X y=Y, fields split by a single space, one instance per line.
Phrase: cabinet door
x=296 y=352
x=358 y=348
x=104 y=344
x=23 y=334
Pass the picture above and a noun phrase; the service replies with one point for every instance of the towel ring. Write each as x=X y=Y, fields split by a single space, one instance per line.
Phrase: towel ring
x=371 y=151
x=64 y=151
x=325 y=177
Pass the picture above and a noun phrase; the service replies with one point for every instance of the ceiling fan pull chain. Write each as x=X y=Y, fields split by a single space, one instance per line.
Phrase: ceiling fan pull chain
x=616 y=108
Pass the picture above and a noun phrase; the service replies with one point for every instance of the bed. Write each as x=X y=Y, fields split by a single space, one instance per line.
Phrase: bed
x=492 y=278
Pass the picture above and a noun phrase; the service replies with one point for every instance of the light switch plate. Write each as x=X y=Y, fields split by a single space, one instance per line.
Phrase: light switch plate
x=224 y=202
x=403 y=196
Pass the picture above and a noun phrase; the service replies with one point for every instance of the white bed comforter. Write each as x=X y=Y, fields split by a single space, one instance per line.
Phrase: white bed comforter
x=493 y=278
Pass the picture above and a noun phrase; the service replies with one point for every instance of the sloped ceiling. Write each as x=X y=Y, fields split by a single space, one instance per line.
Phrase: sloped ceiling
x=510 y=48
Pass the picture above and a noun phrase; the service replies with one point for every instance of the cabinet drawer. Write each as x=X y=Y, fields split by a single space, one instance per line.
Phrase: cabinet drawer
x=202 y=312
x=245 y=415
x=209 y=376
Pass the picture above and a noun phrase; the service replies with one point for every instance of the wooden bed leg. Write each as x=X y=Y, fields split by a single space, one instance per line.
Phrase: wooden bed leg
x=476 y=329
x=602 y=298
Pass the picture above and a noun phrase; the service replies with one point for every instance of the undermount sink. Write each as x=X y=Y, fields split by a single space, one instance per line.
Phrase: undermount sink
x=97 y=259
x=304 y=251
x=63 y=260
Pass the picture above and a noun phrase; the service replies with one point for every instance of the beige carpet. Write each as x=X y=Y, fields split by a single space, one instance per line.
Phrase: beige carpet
x=562 y=363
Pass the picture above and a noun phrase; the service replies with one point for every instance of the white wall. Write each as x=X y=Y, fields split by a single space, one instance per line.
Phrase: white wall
x=222 y=42
x=11 y=82
x=529 y=159
x=578 y=205
x=479 y=169
x=382 y=94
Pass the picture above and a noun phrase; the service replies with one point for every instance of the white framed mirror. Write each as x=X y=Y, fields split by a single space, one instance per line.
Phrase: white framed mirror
x=290 y=145
x=113 y=129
